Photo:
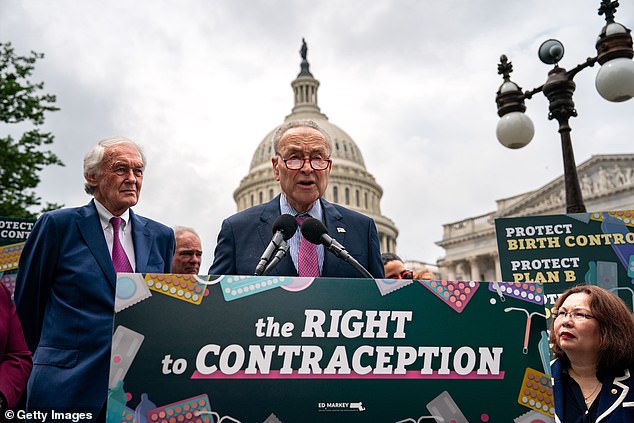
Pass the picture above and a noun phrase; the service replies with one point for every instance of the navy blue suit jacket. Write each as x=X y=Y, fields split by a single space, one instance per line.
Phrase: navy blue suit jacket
x=65 y=299
x=245 y=235
x=616 y=398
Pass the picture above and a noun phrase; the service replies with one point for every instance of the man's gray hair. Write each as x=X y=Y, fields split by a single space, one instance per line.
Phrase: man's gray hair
x=94 y=157
x=279 y=132
x=180 y=230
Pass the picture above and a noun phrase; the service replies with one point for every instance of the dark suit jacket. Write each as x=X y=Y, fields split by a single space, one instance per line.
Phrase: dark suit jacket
x=616 y=398
x=245 y=235
x=65 y=299
x=15 y=357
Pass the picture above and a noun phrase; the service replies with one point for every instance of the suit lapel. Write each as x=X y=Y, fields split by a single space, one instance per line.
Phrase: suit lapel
x=142 y=240
x=337 y=229
x=265 y=231
x=618 y=391
x=269 y=213
x=90 y=229
x=556 y=369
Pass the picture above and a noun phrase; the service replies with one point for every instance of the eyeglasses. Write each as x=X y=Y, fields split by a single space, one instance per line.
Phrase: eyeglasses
x=317 y=163
x=405 y=274
x=577 y=316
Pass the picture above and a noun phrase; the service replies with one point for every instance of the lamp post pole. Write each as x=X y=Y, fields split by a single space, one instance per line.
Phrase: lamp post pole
x=559 y=89
x=515 y=129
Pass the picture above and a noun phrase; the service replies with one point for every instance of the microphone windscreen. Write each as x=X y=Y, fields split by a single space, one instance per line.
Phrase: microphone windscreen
x=285 y=224
x=312 y=229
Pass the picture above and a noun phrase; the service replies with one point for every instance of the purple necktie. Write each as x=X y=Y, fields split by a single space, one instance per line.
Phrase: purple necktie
x=120 y=260
x=307 y=260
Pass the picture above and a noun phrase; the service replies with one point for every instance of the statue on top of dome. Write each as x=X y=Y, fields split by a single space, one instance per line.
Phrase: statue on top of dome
x=304 y=49
x=305 y=71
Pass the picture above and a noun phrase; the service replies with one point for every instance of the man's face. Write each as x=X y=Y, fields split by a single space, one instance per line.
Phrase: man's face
x=304 y=186
x=188 y=255
x=393 y=269
x=118 y=184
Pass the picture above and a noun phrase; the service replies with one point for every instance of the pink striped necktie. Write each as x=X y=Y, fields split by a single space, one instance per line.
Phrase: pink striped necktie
x=120 y=260
x=307 y=260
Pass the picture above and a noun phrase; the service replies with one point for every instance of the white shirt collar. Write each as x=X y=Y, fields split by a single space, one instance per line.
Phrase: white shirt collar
x=105 y=215
x=315 y=211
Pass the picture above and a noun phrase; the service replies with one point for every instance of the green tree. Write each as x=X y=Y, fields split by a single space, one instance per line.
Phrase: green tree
x=22 y=108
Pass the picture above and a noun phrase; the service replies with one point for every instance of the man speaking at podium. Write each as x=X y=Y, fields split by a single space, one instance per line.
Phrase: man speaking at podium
x=302 y=166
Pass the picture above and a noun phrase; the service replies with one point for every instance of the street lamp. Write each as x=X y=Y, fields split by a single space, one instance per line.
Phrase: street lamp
x=614 y=82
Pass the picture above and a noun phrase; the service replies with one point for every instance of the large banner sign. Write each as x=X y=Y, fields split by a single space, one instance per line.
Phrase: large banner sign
x=13 y=233
x=284 y=349
x=566 y=250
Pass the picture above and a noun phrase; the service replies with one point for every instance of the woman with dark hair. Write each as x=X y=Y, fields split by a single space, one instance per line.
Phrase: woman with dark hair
x=592 y=336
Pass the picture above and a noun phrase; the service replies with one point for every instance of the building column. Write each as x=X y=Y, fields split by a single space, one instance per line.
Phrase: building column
x=475 y=268
x=459 y=271
x=449 y=270
x=498 y=271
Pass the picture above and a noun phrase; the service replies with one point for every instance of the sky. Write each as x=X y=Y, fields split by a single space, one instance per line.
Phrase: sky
x=198 y=84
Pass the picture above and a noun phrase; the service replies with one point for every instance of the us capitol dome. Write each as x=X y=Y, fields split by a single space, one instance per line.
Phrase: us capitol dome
x=350 y=185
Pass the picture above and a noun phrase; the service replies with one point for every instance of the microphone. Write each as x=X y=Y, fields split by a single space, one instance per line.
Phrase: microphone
x=284 y=228
x=315 y=231
x=279 y=255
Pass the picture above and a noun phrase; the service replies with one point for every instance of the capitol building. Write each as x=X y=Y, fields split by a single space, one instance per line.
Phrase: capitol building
x=351 y=185
x=607 y=184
